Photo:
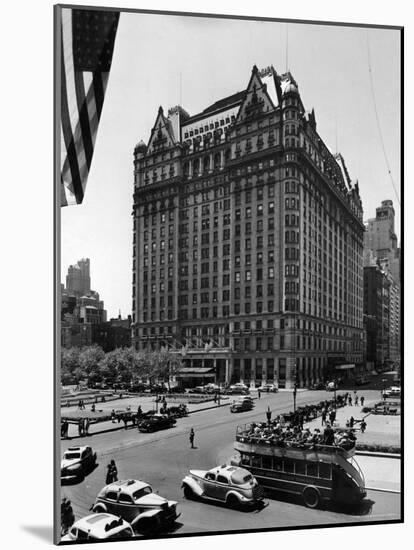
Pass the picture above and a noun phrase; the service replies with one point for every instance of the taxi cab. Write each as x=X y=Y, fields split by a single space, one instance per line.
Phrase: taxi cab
x=99 y=527
x=232 y=485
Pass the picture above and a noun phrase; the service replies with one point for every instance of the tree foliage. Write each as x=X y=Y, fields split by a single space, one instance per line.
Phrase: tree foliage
x=122 y=365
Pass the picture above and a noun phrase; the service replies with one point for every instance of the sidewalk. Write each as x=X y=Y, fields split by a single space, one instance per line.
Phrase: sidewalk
x=147 y=403
x=380 y=430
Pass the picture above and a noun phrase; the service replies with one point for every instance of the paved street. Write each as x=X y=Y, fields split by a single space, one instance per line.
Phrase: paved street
x=162 y=459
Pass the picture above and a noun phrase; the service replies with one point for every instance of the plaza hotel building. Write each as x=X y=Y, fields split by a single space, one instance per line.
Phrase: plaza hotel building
x=247 y=241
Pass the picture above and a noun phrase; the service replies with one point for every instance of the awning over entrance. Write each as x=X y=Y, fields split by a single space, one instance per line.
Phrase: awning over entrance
x=345 y=367
x=188 y=372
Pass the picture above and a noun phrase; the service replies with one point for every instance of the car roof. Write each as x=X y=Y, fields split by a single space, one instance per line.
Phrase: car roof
x=80 y=449
x=99 y=524
x=225 y=468
x=128 y=486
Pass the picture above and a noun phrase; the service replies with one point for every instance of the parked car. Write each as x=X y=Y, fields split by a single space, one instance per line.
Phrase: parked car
x=230 y=484
x=331 y=386
x=156 y=422
x=393 y=391
x=77 y=462
x=318 y=386
x=99 y=527
x=238 y=389
x=135 y=502
x=268 y=388
x=244 y=403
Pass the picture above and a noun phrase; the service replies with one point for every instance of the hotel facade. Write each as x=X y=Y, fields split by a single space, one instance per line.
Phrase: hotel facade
x=247 y=242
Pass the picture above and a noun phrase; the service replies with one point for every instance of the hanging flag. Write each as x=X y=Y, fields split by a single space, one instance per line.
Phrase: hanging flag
x=88 y=38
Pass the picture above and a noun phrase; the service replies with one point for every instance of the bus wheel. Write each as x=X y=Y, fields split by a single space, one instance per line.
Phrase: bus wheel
x=311 y=497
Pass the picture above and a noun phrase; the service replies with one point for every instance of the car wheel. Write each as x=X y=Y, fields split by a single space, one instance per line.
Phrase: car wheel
x=233 y=502
x=148 y=526
x=311 y=497
x=188 y=493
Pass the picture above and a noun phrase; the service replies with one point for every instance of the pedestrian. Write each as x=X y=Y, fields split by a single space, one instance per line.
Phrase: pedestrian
x=258 y=393
x=93 y=407
x=328 y=435
x=323 y=417
x=80 y=404
x=332 y=416
x=363 y=426
x=192 y=438
x=111 y=473
x=67 y=517
x=362 y=400
x=86 y=426
x=139 y=411
x=113 y=416
x=80 y=427
x=269 y=415
x=351 y=422
x=356 y=401
x=350 y=400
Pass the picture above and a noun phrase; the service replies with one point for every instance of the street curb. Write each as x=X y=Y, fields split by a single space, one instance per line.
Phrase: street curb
x=383 y=490
x=378 y=454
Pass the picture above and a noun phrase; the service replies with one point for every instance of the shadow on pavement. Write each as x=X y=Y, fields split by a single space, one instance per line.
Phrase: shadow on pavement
x=363 y=508
x=79 y=479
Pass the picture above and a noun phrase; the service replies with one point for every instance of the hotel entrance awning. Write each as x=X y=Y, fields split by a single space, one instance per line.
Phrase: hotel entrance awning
x=188 y=372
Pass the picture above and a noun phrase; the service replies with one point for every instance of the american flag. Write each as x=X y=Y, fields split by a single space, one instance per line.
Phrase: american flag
x=88 y=38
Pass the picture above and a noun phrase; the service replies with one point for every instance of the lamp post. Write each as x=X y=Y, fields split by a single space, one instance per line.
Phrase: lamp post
x=384 y=381
x=335 y=381
x=295 y=390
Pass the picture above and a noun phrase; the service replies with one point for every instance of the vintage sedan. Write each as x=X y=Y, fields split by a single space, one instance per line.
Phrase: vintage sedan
x=135 y=502
x=266 y=388
x=156 y=422
x=244 y=403
x=232 y=485
x=99 y=527
x=77 y=462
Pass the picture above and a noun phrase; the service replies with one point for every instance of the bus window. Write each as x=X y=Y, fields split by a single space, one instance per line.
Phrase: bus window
x=300 y=467
x=245 y=460
x=312 y=469
x=256 y=461
x=267 y=462
x=277 y=464
x=289 y=466
x=324 y=470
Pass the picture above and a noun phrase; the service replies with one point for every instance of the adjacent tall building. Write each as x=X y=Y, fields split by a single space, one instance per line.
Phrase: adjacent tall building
x=248 y=241
x=81 y=306
x=382 y=281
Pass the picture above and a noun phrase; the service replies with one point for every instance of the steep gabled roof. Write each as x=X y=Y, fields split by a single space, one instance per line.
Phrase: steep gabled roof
x=161 y=132
x=256 y=97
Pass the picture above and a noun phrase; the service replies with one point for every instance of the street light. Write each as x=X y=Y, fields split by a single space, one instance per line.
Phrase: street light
x=295 y=390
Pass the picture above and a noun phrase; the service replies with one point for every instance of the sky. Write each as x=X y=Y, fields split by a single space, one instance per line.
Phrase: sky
x=213 y=58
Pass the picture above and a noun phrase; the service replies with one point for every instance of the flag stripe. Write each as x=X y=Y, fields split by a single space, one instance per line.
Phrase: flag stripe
x=99 y=93
x=70 y=145
x=88 y=38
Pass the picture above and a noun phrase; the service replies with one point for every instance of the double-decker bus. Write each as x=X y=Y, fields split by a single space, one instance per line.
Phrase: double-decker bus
x=316 y=472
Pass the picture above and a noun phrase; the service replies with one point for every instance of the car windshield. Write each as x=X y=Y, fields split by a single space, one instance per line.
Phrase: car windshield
x=70 y=456
x=240 y=477
x=141 y=492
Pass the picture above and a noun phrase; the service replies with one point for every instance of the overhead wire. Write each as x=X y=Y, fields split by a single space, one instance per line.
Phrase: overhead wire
x=378 y=122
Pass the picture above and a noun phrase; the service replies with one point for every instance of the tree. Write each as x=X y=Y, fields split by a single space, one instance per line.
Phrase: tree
x=89 y=359
x=69 y=364
x=165 y=364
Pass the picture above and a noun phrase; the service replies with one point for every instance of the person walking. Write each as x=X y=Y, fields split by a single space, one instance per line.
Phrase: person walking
x=356 y=401
x=269 y=415
x=328 y=435
x=362 y=400
x=67 y=517
x=350 y=400
x=80 y=427
x=363 y=426
x=86 y=424
x=113 y=416
x=323 y=417
x=111 y=473
x=351 y=422
x=258 y=393
x=192 y=438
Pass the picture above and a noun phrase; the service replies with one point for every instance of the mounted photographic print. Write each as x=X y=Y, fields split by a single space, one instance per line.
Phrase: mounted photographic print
x=229 y=274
